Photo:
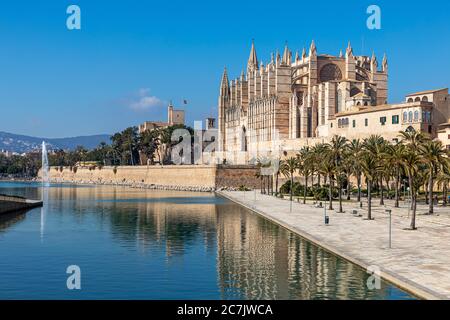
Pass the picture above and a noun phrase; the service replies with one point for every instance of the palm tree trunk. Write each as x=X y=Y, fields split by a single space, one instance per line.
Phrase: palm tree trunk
x=292 y=184
x=413 y=217
x=348 y=188
x=369 y=199
x=430 y=194
x=382 y=192
x=359 y=187
x=444 y=194
x=276 y=183
x=305 y=190
x=330 y=193
x=318 y=179
x=340 y=196
x=397 y=179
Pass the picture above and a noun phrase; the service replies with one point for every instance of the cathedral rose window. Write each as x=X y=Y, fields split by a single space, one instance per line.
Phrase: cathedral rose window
x=330 y=72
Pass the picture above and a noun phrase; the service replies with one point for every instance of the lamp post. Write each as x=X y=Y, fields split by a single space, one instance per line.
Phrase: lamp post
x=388 y=211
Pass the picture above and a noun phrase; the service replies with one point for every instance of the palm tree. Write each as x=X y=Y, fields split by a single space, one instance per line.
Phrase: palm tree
x=443 y=179
x=305 y=166
x=395 y=154
x=316 y=156
x=434 y=156
x=288 y=169
x=411 y=162
x=369 y=167
x=338 y=147
x=355 y=150
x=327 y=168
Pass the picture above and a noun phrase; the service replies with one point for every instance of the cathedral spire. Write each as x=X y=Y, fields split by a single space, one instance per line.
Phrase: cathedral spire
x=385 y=63
x=278 y=59
x=349 y=51
x=225 y=85
x=340 y=54
x=304 y=53
x=312 y=49
x=373 y=63
x=286 y=55
x=252 y=63
x=297 y=56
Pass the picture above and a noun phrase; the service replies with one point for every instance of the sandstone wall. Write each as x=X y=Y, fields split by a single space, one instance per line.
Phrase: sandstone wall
x=186 y=177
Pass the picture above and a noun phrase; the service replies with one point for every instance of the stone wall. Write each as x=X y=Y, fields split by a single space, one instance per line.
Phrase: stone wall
x=185 y=177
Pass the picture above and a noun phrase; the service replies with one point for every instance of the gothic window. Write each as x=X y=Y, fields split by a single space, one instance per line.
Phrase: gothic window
x=330 y=72
x=405 y=116
x=410 y=116
x=416 y=116
x=299 y=98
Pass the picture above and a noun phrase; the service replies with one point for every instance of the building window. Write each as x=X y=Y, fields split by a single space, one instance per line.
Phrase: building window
x=383 y=120
x=366 y=122
x=354 y=123
x=405 y=116
x=410 y=116
x=395 y=119
x=416 y=116
x=448 y=137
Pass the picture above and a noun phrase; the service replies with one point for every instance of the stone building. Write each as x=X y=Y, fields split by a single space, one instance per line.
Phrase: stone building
x=173 y=117
x=308 y=98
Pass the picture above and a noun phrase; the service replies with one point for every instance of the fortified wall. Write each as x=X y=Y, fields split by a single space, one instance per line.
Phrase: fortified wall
x=185 y=177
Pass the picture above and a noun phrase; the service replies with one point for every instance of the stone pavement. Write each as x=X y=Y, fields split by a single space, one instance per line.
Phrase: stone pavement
x=419 y=261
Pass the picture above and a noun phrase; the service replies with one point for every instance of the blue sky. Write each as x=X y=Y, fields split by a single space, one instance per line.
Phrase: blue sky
x=131 y=57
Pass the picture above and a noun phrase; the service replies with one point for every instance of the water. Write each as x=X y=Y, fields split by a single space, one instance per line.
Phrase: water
x=141 y=244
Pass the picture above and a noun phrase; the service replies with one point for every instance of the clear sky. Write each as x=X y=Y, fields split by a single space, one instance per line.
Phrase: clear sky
x=132 y=57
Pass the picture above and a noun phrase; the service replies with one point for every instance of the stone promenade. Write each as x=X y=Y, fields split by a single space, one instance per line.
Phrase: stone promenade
x=419 y=261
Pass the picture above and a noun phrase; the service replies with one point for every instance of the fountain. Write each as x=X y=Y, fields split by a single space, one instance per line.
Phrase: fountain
x=45 y=168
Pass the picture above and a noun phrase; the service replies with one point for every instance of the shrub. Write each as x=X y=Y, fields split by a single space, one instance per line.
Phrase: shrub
x=243 y=188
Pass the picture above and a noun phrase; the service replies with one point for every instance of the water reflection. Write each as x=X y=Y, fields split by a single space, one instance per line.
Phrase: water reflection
x=189 y=245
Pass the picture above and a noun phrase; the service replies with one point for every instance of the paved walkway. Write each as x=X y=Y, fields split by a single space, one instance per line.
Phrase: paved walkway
x=419 y=261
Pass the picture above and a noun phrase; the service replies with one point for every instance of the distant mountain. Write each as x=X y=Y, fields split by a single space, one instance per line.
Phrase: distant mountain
x=20 y=143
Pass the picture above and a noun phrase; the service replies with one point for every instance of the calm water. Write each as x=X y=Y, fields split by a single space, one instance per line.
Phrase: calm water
x=141 y=244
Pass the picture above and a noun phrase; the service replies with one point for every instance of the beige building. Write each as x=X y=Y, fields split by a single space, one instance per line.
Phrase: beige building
x=292 y=102
x=173 y=117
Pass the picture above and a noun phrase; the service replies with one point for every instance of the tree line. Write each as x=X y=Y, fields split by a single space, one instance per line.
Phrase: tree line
x=125 y=149
x=415 y=161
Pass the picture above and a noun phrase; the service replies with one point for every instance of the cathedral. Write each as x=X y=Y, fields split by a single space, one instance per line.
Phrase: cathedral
x=293 y=99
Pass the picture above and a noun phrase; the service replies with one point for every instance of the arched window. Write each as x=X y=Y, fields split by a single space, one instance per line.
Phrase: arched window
x=416 y=116
x=410 y=129
x=330 y=72
x=358 y=103
x=339 y=123
x=410 y=100
x=410 y=116
x=425 y=99
x=417 y=99
x=366 y=104
x=405 y=116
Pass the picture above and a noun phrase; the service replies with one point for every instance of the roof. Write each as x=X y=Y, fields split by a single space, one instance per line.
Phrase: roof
x=426 y=92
